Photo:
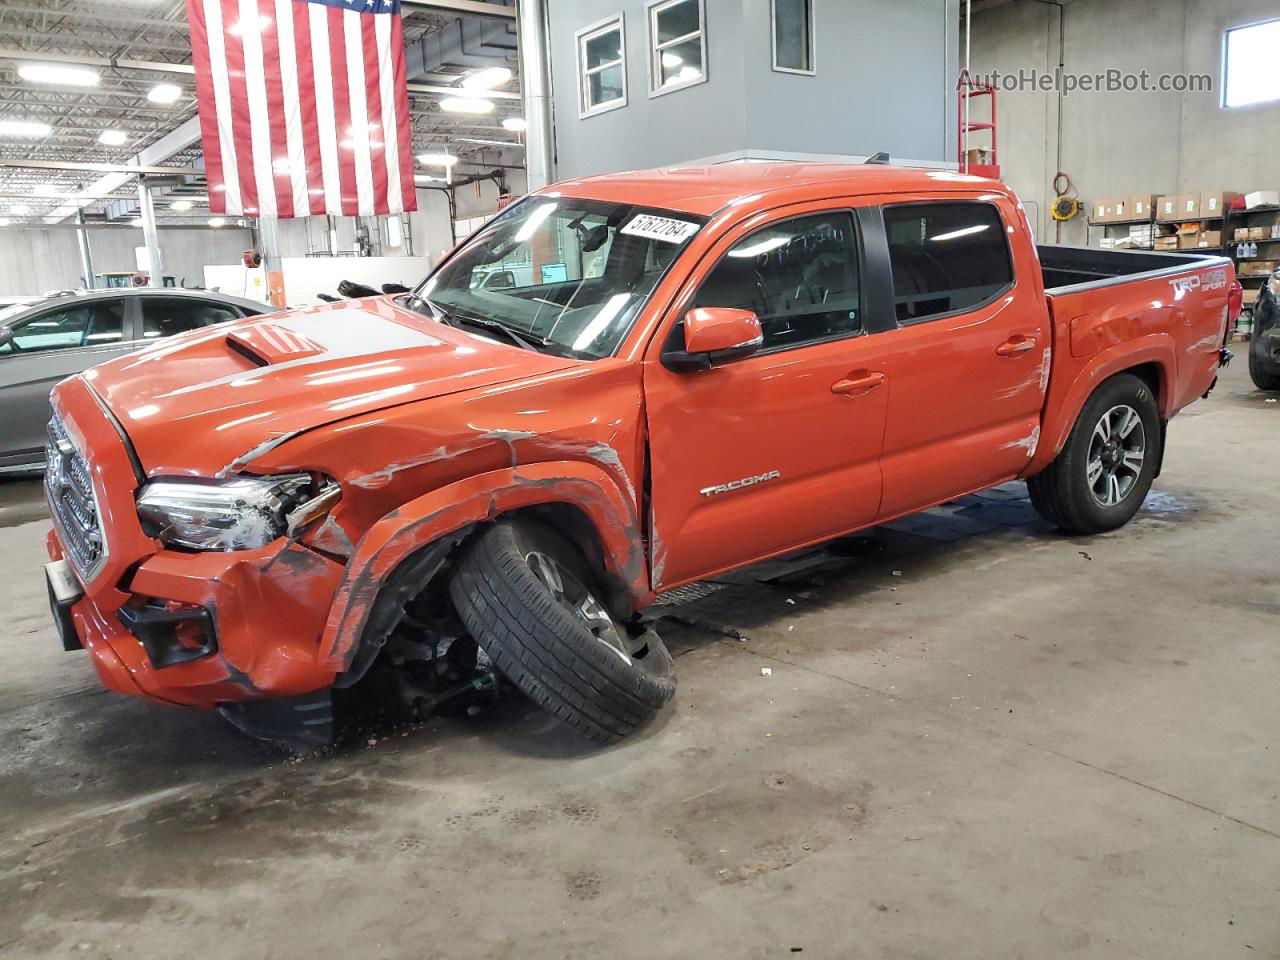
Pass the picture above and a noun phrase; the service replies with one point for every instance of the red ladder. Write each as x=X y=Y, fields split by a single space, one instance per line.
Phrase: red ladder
x=971 y=90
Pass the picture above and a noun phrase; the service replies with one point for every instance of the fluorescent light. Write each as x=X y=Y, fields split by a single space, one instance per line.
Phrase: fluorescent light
x=516 y=124
x=539 y=214
x=763 y=246
x=47 y=190
x=112 y=138
x=965 y=232
x=182 y=206
x=59 y=74
x=164 y=93
x=466 y=105
x=437 y=159
x=24 y=128
x=217 y=222
x=20 y=210
x=4 y=221
x=491 y=143
x=486 y=79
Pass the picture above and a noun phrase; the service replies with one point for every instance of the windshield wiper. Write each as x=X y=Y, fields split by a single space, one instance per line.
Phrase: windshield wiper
x=529 y=341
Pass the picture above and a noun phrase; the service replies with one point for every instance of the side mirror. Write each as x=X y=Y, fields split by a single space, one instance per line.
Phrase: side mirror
x=715 y=335
x=6 y=335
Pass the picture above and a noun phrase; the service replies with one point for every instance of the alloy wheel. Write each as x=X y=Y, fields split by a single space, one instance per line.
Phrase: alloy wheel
x=570 y=592
x=1117 y=451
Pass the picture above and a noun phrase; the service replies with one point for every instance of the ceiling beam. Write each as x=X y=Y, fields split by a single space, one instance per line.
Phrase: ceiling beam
x=159 y=66
x=126 y=168
x=434 y=90
x=476 y=8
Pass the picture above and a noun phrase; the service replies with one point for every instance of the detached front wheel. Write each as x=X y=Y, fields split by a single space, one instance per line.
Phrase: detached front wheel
x=1105 y=471
x=528 y=597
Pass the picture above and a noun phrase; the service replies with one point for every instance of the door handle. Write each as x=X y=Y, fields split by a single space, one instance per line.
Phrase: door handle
x=1016 y=346
x=858 y=382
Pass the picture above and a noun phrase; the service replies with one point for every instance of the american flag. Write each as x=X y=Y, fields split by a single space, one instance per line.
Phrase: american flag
x=304 y=107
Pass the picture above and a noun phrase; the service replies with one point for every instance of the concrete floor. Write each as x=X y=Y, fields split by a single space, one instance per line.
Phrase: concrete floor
x=1024 y=745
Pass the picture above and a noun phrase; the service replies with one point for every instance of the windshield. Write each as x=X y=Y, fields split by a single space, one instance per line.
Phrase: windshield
x=570 y=274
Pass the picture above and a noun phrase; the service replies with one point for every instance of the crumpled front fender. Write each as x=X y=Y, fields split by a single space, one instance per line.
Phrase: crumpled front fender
x=437 y=514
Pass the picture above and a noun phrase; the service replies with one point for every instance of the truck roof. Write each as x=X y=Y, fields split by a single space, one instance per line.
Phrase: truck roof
x=705 y=189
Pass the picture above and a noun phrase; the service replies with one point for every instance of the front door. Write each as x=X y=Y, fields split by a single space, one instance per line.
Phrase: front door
x=780 y=449
x=968 y=365
x=46 y=348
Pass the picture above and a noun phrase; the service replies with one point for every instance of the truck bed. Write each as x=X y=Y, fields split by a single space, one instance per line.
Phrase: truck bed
x=1070 y=268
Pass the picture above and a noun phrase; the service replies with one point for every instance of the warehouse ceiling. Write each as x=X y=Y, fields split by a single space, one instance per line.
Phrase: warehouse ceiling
x=115 y=37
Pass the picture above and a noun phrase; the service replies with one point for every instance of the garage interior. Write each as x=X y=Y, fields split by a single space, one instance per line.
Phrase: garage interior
x=957 y=733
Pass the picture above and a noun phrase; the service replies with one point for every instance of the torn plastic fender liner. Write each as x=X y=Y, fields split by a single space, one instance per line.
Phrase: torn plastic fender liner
x=443 y=512
x=1065 y=406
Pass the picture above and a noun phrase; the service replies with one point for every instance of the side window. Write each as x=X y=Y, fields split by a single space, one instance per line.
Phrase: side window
x=602 y=67
x=792 y=28
x=800 y=277
x=163 y=316
x=677 y=45
x=946 y=257
x=85 y=325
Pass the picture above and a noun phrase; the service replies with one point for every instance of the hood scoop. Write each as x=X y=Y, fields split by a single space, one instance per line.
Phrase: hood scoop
x=266 y=344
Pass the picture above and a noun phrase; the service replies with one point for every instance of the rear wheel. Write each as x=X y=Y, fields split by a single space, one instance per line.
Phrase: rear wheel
x=1105 y=470
x=1265 y=376
x=527 y=596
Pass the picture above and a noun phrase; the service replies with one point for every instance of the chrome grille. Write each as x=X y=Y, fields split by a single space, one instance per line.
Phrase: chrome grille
x=72 y=502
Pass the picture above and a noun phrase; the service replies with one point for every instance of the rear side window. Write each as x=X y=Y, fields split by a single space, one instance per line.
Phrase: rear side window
x=165 y=316
x=800 y=277
x=946 y=257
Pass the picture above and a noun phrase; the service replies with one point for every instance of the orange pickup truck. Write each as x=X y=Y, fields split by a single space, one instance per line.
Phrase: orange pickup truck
x=617 y=386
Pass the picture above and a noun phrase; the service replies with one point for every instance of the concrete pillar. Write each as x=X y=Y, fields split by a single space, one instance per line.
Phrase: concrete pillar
x=536 y=83
x=269 y=238
x=86 y=258
x=150 y=236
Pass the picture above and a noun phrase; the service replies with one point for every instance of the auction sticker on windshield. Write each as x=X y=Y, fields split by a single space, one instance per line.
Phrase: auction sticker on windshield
x=659 y=228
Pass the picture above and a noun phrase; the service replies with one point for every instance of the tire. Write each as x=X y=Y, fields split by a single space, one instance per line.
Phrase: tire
x=1071 y=493
x=1264 y=375
x=582 y=667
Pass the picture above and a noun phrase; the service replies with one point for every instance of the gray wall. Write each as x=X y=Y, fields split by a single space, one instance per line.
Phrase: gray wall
x=885 y=79
x=1117 y=144
x=33 y=260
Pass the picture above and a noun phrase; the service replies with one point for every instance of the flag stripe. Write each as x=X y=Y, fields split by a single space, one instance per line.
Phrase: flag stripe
x=307 y=107
x=286 y=49
x=238 y=111
x=342 y=113
x=404 y=142
x=304 y=107
x=377 y=139
x=277 y=138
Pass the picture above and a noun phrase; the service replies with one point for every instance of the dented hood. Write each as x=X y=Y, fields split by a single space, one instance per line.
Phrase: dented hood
x=205 y=403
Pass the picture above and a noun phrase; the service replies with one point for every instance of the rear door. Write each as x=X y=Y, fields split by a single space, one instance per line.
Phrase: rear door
x=968 y=364
x=781 y=448
x=47 y=347
x=168 y=316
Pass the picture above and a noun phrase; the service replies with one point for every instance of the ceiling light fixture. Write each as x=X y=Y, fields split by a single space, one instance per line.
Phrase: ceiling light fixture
x=164 y=93
x=58 y=74
x=515 y=124
x=466 y=105
x=437 y=159
x=216 y=222
x=486 y=79
x=24 y=128
x=112 y=138
x=181 y=206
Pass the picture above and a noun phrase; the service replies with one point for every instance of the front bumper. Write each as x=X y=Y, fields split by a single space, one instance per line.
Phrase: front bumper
x=264 y=609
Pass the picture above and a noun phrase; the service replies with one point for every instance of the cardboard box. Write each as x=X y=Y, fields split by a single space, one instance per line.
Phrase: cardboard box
x=1186 y=229
x=1189 y=206
x=1261 y=198
x=1099 y=211
x=979 y=156
x=1216 y=204
x=1167 y=209
x=1241 y=235
x=1142 y=206
x=1259 y=233
x=1166 y=243
x=1258 y=268
x=1251 y=295
x=1188 y=241
x=1211 y=238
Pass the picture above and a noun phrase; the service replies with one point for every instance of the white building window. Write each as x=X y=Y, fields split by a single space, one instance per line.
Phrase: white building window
x=793 y=37
x=602 y=67
x=677 y=45
x=1249 y=65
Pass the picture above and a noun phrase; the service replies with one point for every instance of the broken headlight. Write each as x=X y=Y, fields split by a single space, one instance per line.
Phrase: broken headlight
x=236 y=514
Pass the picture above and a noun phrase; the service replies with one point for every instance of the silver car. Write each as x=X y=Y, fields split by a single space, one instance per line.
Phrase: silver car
x=44 y=341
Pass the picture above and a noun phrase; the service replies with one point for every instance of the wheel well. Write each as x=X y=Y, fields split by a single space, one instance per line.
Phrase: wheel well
x=573 y=523
x=1152 y=374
